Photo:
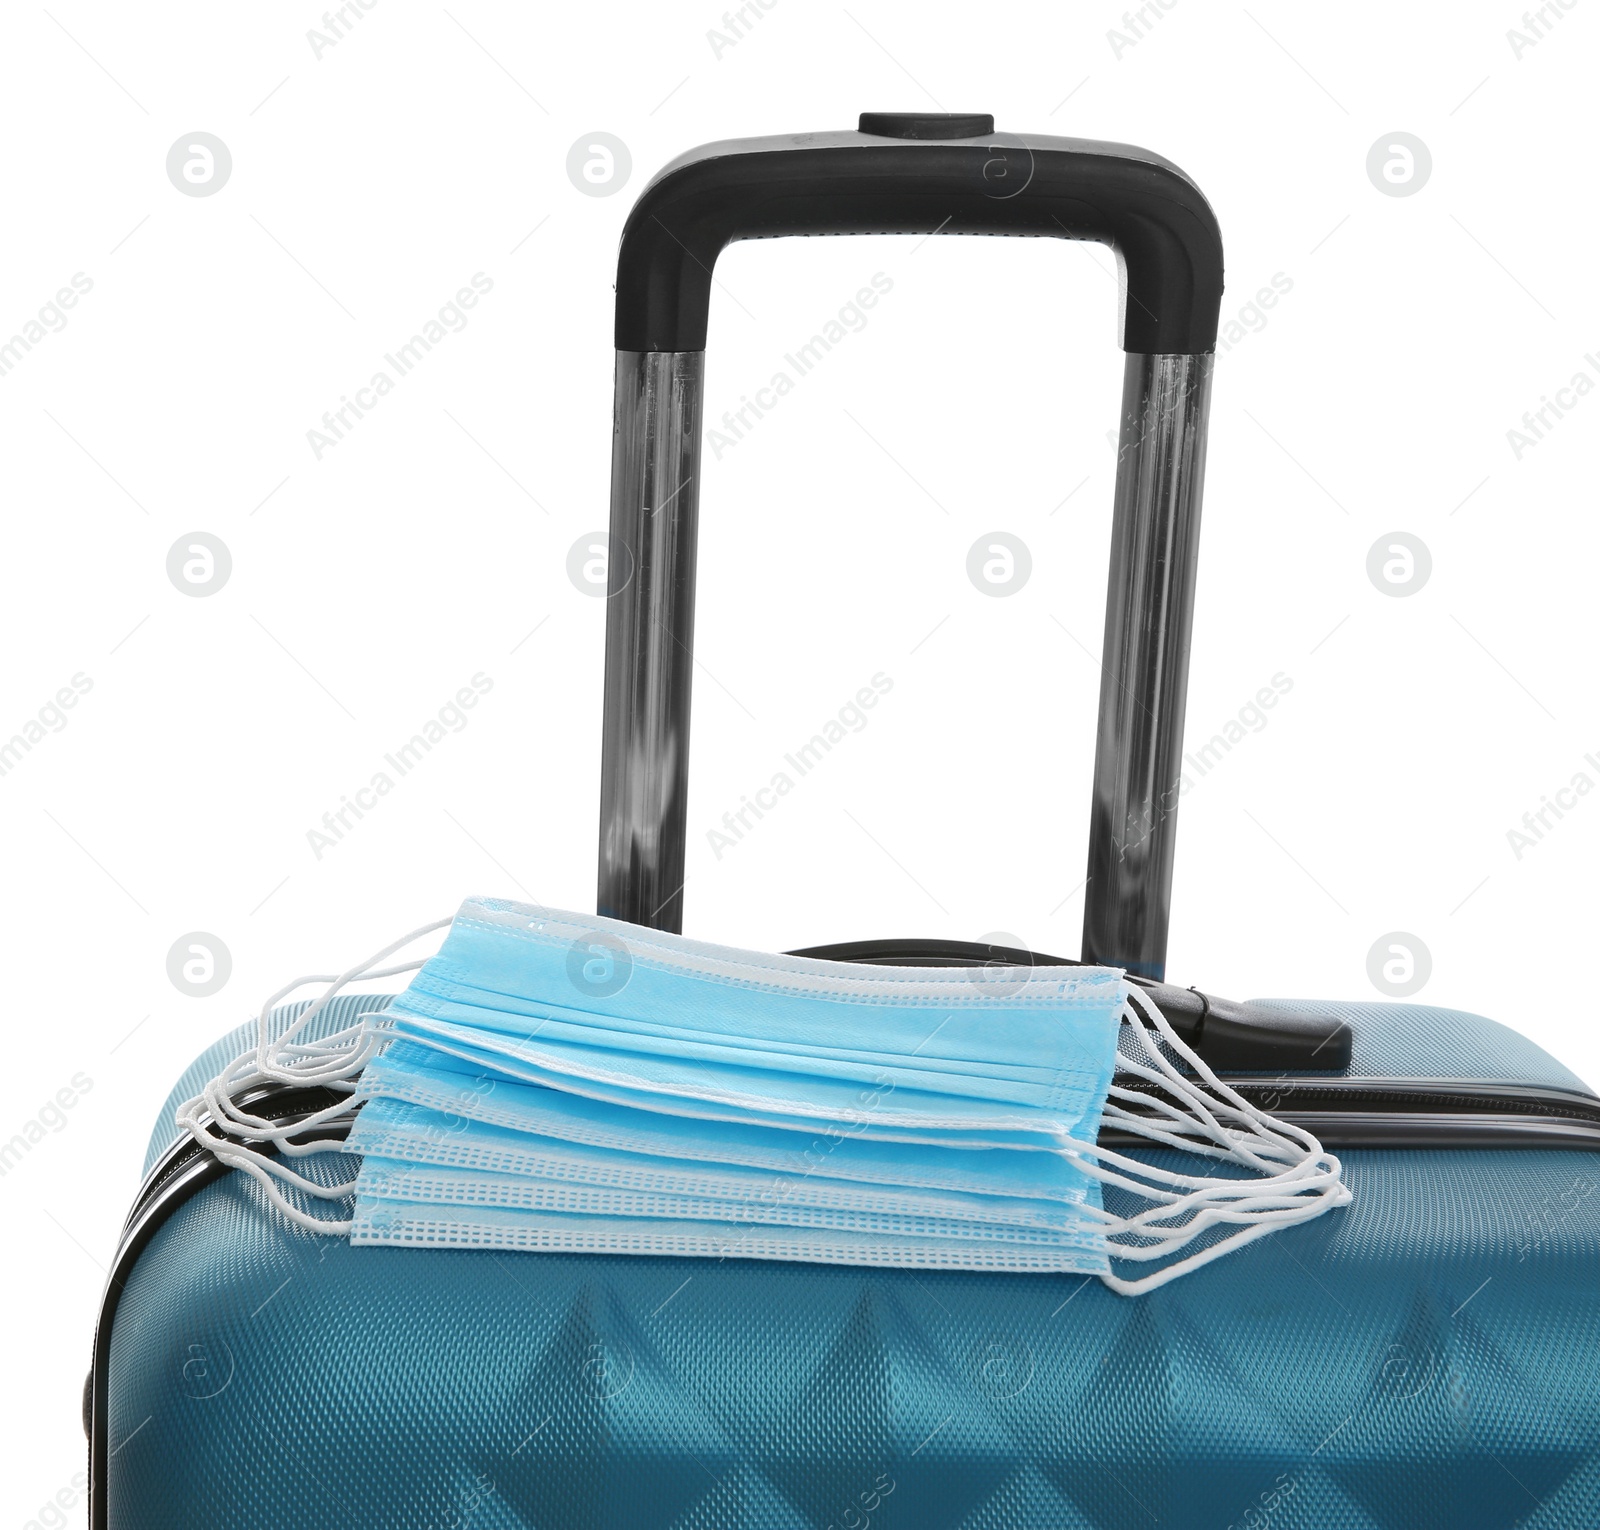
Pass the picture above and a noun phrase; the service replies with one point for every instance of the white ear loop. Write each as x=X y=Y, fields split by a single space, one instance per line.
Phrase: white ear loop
x=333 y=1062
x=1299 y=1180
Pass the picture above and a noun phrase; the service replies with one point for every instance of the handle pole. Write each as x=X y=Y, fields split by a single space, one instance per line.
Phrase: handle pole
x=1149 y=616
x=912 y=174
x=644 y=764
x=1138 y=767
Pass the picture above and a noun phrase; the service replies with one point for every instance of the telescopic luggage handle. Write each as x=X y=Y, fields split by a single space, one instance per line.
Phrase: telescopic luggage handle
x=914 y=174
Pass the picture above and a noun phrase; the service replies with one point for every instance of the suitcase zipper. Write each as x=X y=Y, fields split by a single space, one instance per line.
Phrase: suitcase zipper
x=1435 y=1113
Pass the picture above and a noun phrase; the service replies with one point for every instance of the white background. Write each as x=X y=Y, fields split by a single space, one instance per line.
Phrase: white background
x=370 y=183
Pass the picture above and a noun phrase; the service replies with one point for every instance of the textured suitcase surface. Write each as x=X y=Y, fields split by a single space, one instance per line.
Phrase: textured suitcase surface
x=1428 y=1357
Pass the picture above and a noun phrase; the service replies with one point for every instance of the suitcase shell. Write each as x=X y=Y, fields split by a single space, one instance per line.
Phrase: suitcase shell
x=1428 y=1356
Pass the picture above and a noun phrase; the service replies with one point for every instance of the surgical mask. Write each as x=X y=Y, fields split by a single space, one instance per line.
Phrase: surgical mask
x=618 y=1012
x=469 y=1091
x=751 y=1202
x=1081 y=1251
x=863 y=1109
x=753 y=1166
x=663 y=1047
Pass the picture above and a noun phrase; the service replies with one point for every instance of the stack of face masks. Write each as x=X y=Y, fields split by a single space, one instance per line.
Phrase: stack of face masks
x=561 y=1082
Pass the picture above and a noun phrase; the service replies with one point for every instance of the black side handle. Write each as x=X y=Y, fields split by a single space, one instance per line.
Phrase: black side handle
x=904 y=173
x=1254 y=1037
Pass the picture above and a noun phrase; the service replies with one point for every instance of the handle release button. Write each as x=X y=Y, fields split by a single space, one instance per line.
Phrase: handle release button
x=927 y=124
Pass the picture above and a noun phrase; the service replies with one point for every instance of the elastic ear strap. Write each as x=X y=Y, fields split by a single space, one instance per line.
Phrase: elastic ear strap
x=337 y=983
x=332 y=1062
x=1201 y=1115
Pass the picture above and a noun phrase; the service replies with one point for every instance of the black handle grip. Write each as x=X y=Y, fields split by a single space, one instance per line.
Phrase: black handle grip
x=907 y=176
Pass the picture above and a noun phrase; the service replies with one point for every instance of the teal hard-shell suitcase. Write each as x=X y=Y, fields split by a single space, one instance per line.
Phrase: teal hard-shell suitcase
x=1428 y=1356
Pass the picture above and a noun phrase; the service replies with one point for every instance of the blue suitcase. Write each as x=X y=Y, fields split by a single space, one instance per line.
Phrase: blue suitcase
x=1429 y=1356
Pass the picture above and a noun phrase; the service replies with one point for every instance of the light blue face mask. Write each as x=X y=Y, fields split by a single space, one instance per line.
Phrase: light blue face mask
x=656 y=1021
x=560 y=1081
x=828 y=1150
x=421 y=1184
x=1082 y=1250
x=753 y=1165
x=861 y=1110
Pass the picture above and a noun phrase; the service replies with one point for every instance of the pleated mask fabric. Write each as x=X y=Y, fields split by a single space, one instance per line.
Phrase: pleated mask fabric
x=618 y=1011
x=564 y=1082
x=697 y=1099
